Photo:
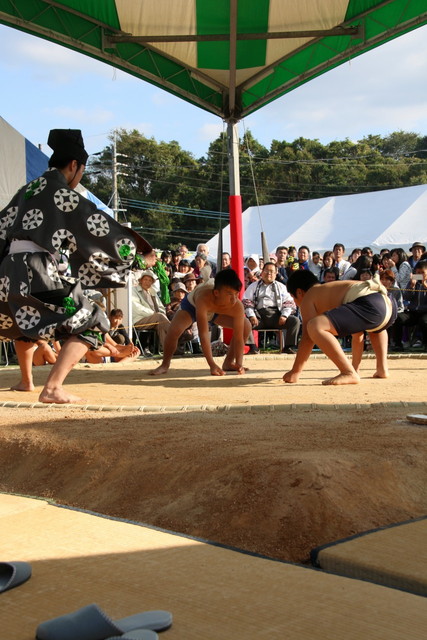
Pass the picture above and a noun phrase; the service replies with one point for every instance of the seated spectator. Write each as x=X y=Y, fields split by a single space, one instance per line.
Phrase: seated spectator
x=367 y=251
x=45 y=353
x=315 y=264
x=179 y=292
x=190 y=281
x=110 y=349
x=417 y=251
x=268 y=305
x=117 y=330
x=330 y=275
x=148 y=310
x=191 y=334
x=202 y=269
x=343 y=265
x=401 y=268
x=416 y=313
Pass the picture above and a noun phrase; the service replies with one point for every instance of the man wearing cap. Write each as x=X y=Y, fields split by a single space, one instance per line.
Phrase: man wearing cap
x=148 y=311
x=53 y=244
x=417 y=251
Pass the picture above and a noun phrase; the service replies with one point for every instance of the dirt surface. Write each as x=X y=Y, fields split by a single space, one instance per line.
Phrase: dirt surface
x=272 y=468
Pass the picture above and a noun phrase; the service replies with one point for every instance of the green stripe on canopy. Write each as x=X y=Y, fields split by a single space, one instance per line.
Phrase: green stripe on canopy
x=214 y=18
x=200 y=71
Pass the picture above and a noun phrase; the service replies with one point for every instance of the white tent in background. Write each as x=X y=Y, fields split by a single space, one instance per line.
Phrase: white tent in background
x=21 y=161
x=379 y=219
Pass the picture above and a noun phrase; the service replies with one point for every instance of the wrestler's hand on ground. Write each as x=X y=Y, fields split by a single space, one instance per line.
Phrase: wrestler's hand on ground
x=217 y=371
x=291 y=377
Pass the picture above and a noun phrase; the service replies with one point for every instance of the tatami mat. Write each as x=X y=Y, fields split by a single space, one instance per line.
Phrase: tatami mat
x=395 y=556
x=213 y=592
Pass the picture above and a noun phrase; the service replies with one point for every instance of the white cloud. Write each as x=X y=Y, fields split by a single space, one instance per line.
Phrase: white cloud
x=210 y=131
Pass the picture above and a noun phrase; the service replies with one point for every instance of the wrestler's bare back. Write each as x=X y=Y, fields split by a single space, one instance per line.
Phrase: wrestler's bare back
x=323 y=297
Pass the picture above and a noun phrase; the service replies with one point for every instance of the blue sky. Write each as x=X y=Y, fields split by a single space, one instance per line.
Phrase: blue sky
x=46 y=86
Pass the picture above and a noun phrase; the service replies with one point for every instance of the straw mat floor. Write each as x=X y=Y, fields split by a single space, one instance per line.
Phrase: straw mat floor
x=213 y=593
x=395 y=556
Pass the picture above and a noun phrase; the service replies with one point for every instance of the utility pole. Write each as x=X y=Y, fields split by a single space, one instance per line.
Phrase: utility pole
x=114 y=168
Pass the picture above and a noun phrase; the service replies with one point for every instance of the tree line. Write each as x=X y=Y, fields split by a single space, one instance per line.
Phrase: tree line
x=173 y=197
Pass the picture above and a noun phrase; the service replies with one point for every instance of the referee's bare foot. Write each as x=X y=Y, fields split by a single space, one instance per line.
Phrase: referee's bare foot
x=342 y=378
x=158 y=371
x=23 y=386
x=58 y=396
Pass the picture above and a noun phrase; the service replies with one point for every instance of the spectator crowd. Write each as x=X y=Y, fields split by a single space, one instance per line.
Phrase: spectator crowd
x=271 y=310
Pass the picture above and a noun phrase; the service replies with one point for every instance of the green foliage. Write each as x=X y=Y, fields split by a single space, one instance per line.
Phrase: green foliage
x=172 y=197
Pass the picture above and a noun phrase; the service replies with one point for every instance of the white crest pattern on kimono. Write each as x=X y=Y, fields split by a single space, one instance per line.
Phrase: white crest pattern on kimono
x=41 y=291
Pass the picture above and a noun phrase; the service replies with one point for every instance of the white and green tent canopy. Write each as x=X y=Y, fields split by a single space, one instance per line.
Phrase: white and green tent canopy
x=229 y=57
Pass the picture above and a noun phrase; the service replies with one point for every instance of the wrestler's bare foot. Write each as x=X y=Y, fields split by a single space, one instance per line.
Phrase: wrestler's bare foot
x=342 y=378
x=23 y=386
x=381 y=374
x=58 y=396
x=161 y=369
x=232 y=366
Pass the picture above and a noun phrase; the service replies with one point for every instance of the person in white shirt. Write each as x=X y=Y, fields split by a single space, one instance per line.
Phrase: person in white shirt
x=268 y=305
x=343 y=265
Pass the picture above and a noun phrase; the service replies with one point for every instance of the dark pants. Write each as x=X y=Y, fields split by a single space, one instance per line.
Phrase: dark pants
x=409 y=319
x=269 y=319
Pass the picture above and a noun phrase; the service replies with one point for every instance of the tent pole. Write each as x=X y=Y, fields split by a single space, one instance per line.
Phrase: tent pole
x=235 y=200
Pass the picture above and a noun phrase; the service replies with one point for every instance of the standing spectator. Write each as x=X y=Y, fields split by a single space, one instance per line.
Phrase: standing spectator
x=400 y=266
x=166 y=260
x=354 y=255
x=328 y=262
x=202 y=269
x=183 y=251
x=343 y=265
x=225 y=260
x=315 y=264
x=417 y=251
x=176 y=259
x=281 y=263
x=203 y=248
x=416 y=314
x=183 y=268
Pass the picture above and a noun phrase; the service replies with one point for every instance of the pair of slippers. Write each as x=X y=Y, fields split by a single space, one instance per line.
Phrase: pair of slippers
x=92 y=623
x=12 y=574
